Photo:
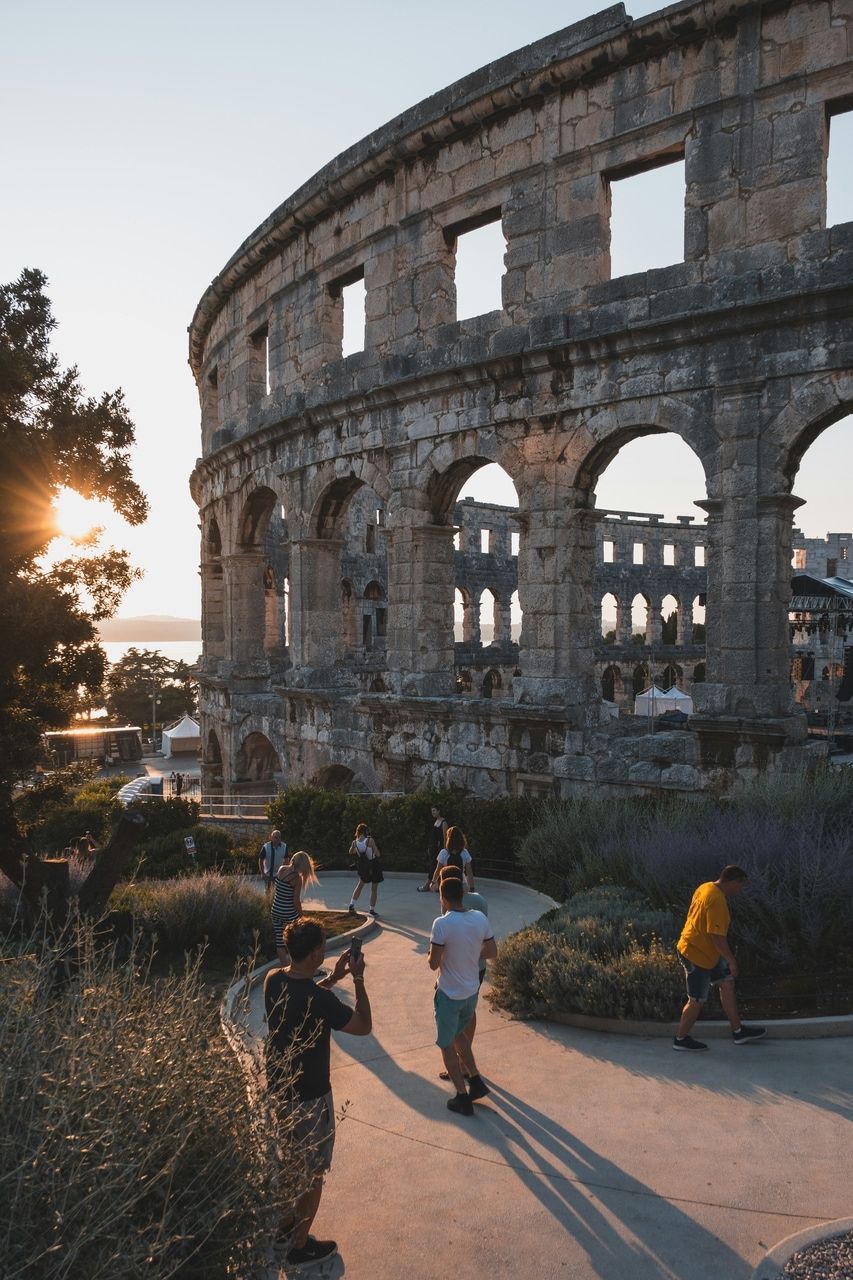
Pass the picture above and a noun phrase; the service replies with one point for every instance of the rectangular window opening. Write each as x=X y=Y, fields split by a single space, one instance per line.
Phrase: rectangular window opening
x=480 y=246
x=831 y=568
x=647 y=215
x=370 y=538
x=351 y=291
x=515 y=543
x=669 y=553
x=639 y=552
x=699 y=557
x=457 y=540
x=842 y=551
x=839 y=175
x=608 y=548
x=485 y=541
x=800 y=557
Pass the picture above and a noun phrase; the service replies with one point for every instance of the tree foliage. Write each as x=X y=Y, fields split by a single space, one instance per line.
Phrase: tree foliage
x=52 y=436
x=144 y=674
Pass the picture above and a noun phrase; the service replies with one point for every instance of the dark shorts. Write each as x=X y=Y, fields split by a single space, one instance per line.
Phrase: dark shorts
x=313 y=1128
x=699 y=980
x=369 y=870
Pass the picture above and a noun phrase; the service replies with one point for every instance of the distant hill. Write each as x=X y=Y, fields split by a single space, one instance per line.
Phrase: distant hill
x=150 y=626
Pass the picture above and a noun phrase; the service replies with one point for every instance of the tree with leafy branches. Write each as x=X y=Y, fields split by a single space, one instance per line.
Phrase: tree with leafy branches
x=145 y=680
x=52 y=437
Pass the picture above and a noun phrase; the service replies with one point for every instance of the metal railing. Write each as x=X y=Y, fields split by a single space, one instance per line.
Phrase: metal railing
x=218 y=806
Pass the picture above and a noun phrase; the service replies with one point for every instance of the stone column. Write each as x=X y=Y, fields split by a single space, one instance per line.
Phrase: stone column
x=555 y=582
x=245 y=606
x=623 y=623
x=420 y=606
x=316 y=623
x=654 y=624
x=684 y=626
x=503 y=631
x=213 y=610
x=749 y=591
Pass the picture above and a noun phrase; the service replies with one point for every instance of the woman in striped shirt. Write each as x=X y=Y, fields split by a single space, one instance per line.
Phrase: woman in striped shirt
x=290 y=882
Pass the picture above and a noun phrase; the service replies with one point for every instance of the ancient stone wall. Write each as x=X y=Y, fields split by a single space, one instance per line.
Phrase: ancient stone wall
x=741 y=348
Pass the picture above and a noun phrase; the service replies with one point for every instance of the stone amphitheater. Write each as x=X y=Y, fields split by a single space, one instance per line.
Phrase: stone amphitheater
x=333 y=538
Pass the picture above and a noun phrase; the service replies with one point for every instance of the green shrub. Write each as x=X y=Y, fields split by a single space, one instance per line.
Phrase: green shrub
x=129 y=1144
x=606 y=953
x=166 y=856
x=224 y=912
x=164 y=816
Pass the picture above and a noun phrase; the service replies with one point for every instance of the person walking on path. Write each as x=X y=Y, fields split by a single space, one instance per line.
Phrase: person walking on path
x=368 y=864
x=708 y=959
x=289 y=883
x=271 y=856
x=437 y=837
x=458 y=941
x=455 y=853
x=301 y=1014
x=471 y=902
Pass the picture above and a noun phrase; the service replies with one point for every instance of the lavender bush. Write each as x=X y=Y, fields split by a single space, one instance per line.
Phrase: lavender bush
x=130 y=1144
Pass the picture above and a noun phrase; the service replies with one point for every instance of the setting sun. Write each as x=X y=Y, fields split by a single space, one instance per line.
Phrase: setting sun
x=77 y=516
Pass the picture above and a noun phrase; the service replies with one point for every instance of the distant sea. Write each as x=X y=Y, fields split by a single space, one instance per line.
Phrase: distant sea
x=178 y=650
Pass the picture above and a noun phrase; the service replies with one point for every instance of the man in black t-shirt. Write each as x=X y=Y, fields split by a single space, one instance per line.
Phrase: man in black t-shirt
x=302 y=1013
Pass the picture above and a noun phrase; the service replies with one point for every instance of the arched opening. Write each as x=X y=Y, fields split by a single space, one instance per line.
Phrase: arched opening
x=612 y=688
x=698 y=610
x=699 y=673
x=464 y=683
x=670 y=615
x=463 y=619
x=488 y=616
x=609 y=615
x=213 y=593
x=212 y=781
x=333 y=777
x=822 y=548
x=641 y=678
x=491 y=682
x=256 y=574
x=257 y=767
x=671 y=675
x=641 y=621
x=480 y=500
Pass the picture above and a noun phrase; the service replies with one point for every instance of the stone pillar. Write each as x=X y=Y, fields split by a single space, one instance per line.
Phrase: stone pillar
x=245 y=601
x=316 y=625
x=684 y=628
x=749 y=591
x=623 y=623
x=555 y=582
x=420 y=607
x=503 y=623
x=213 y=610
x=654 y=625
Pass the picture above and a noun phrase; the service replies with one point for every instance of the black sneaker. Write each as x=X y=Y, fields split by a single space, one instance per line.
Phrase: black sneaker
x=422 y=888
x=312 y=1251
x=688 y=1044
x=461 y=1104
x=478 y=1088
x=745 y=1034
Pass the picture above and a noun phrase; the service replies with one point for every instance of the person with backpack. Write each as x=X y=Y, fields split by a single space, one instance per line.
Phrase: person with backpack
x=368 y=864
x=272 y=855
x=455 y=854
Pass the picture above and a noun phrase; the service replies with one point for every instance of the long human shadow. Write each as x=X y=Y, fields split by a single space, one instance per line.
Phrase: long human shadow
x=751 y=1073
x=420 y=936
x=559 y=1167
x=417 y=1091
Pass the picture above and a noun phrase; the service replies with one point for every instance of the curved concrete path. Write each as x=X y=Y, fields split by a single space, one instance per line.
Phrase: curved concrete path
x=596 y=1157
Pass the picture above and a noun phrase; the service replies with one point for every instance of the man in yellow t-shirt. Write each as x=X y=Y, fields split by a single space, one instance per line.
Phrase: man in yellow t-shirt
x=708 y=960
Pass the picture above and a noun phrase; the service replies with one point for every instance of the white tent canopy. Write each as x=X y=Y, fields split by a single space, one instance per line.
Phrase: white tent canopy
x=652 y=701
x=182 y=738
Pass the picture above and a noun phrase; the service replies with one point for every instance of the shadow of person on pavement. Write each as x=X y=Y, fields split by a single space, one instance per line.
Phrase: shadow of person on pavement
x=567 y=1177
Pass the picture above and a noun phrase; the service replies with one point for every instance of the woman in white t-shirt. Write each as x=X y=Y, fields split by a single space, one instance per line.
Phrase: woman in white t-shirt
x=366 y=853
x=455 y=854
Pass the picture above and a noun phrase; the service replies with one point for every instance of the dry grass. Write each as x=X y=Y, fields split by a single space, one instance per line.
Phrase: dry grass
x=132 y=1142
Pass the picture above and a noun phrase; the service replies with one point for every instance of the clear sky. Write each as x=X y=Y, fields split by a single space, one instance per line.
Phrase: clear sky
x=142 y=142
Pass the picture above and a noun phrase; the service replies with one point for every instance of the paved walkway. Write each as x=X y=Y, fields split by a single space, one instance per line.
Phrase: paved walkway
x=596 y=1157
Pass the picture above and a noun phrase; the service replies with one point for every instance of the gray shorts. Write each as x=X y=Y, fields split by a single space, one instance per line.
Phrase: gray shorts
x=314 y=1130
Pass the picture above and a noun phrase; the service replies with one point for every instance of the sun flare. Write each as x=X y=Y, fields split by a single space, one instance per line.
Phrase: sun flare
x=77 y=516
